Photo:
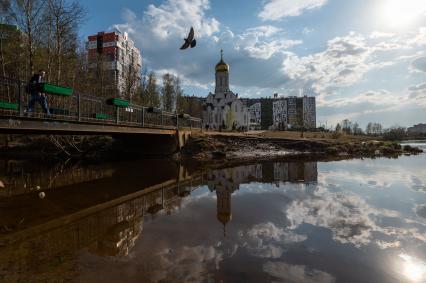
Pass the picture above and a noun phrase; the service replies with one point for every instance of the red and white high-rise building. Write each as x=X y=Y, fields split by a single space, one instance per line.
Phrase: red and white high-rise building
x=119 y=57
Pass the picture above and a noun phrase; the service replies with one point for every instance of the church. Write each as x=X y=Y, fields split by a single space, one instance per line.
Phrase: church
x=223 y=110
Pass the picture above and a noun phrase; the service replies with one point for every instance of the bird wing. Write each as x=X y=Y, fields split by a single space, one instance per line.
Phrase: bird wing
x=193 y=43
x=191 y=35
x=185 y=45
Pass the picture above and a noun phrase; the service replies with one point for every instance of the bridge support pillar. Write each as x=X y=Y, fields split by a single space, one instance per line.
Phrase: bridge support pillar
x=151 y=144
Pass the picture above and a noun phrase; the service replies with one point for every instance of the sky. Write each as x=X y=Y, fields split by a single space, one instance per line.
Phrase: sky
x=364 y=60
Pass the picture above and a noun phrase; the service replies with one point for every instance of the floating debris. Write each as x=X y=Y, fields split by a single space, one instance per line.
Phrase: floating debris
x=2 y=184
x=42 y=195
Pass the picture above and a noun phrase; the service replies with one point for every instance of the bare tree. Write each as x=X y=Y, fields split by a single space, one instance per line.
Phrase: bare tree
x=64 y=20
x=181 y=104
x=131 y=79
x=27 y=15
x=151 y=96
x=5 y=15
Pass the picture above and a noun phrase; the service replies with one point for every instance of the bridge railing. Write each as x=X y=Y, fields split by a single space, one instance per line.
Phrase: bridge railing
x=86 y=108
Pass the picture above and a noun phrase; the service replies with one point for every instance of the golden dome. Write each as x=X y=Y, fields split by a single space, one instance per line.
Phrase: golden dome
x=222 y=66
x=224 y=217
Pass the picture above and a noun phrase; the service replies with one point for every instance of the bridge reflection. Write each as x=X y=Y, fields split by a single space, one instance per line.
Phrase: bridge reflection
x=21 y=177
x=45 y=238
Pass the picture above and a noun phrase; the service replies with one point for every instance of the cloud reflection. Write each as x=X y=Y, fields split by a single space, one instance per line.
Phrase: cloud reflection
x=267 y=240
x=283 y=272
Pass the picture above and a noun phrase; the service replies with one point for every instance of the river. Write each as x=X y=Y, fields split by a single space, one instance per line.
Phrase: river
x=158 y=221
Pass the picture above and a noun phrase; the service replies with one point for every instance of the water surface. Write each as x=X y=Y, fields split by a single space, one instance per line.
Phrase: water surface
x=157 y=221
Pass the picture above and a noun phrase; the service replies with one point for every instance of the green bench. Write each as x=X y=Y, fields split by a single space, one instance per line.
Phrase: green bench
x=117 y=102
x=54 y=89
x=8 y=105
x=102 y=116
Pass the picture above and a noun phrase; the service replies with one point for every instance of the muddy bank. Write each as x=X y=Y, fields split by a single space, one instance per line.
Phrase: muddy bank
x=204 y=148
x=207 y=148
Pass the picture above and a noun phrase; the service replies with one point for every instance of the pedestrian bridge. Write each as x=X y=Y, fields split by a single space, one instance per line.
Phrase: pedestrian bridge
x=80 y=114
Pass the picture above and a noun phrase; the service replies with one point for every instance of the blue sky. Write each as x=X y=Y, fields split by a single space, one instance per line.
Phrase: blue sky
x=365 y=60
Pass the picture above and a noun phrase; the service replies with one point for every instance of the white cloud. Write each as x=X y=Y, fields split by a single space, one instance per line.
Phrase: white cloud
x=343 y=63
x=283 y=272
x=419 y=65
x=388 y=245
x=278 y=9
x=380 y=97
x=419 y=39
x=417 y=94
x=254 y=54
x=347 y=60
x=264 y=50
x=263 y=41
x=381 y=34
x=176 y=16
x=307 y=30
x=266 y=30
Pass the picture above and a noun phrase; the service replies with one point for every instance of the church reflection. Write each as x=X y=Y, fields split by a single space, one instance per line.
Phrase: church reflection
x=226 y=181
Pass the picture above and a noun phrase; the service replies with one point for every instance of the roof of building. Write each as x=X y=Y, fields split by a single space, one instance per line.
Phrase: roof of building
x=224 y=217
x=222 y=66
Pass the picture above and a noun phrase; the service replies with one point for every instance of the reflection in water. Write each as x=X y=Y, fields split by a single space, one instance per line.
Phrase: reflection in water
x=283 y=222
x=20 y=177
x=226 y=181
x=47 y=238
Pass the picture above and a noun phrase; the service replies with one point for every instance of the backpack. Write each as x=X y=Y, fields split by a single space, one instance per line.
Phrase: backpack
x=32 y=84
x=28 y=88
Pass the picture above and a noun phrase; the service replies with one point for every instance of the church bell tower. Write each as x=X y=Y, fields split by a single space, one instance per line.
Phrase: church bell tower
x=222 y=75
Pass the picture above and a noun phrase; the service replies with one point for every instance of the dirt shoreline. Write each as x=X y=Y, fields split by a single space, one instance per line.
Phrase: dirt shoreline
x=208 y=148
x=221 y=148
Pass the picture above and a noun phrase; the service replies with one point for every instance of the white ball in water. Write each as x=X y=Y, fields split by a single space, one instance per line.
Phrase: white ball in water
x=42 y=195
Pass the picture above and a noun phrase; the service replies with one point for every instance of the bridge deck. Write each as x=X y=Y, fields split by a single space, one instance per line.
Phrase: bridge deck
x=62 y=127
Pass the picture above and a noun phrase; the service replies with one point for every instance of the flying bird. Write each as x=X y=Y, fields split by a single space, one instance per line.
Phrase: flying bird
x=189 y=41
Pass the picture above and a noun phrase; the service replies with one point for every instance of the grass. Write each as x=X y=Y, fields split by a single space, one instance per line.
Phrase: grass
x=296 y=135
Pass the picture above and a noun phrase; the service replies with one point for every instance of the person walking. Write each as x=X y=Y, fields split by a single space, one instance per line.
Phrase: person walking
x=36 y=95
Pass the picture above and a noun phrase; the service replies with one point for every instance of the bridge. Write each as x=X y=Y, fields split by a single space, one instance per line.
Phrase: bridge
x=81 y=114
